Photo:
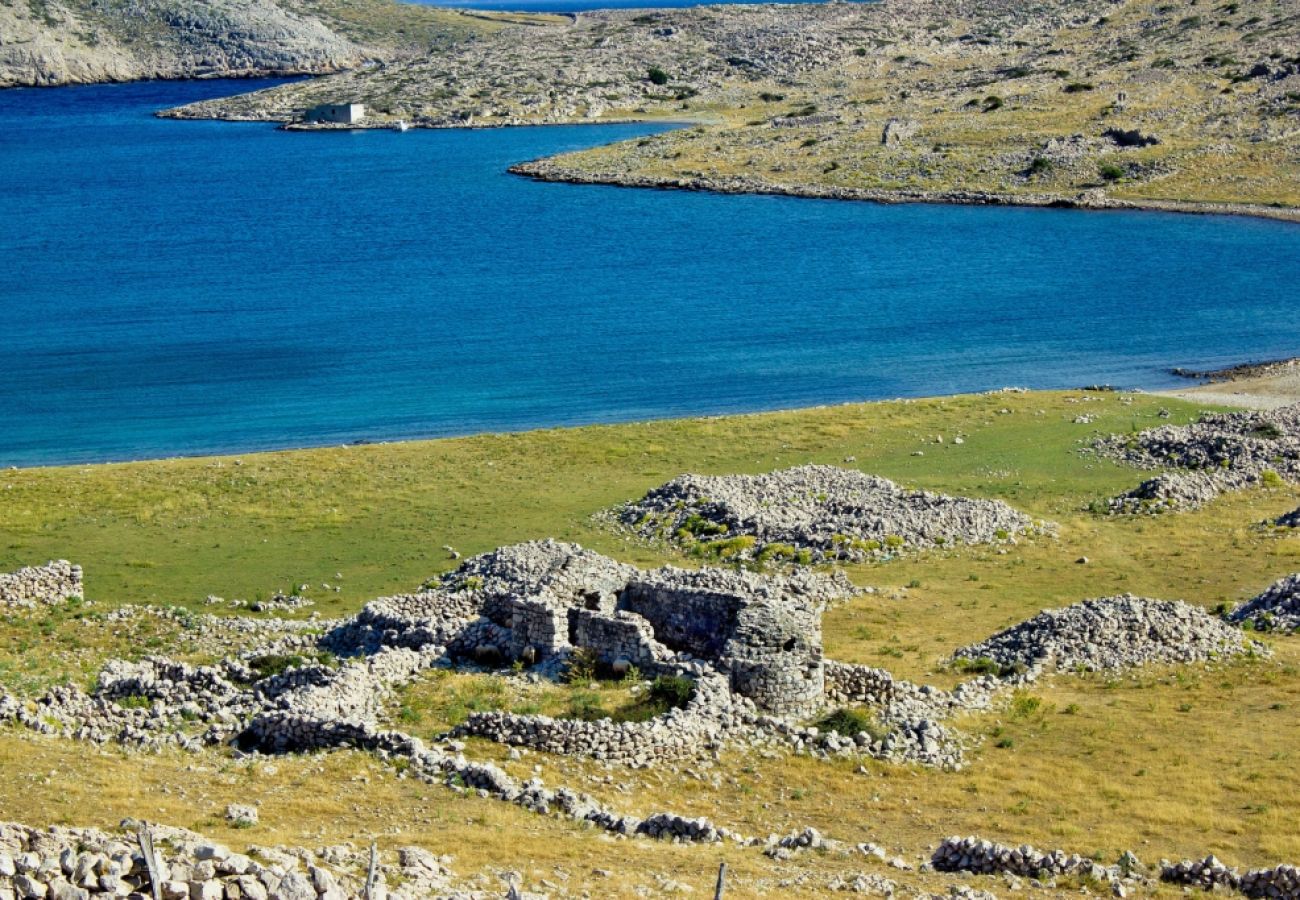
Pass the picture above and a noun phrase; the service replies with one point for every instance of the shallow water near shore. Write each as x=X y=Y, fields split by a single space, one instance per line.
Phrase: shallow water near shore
x=191 y=287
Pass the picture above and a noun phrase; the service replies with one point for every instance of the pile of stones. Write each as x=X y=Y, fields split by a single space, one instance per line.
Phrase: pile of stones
x=814 y=514
x=1276 y=609
x=1108 y=633
x=78 y=863
x=48 y=585
x=973 y=854
x=1171 y=491
x=1219 y=452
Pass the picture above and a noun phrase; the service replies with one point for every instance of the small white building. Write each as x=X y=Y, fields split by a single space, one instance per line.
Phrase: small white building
x=339 y=113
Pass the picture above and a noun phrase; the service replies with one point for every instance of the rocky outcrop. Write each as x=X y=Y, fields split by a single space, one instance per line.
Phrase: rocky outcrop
x=1110 y=633
x=73 y=42
x=814 y=514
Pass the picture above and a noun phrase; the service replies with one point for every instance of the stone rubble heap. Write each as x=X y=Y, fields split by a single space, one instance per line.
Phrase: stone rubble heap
x=79 y=863
x=1171 y=491
x=1276 y=609
x=825 y=512
x=1219 y=452
x=47 y=585
x=1111 y=632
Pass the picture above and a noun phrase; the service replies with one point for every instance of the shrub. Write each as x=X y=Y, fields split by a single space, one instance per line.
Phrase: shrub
x=586 y=707
x=776 y=552
x=1078 y=87
x=769 y=97
x=672 y=691
x=1267 y=430
x=848 y=722
x=983 y=665
x=134 y=701
x=727 y=549
x=1039 y=164
x=1024 y=705
x=275 y=663
x=580 y=666
x=1269 y=478
x=696 y=525
x=992 y=102
x=657 y=76
x=1110 y=171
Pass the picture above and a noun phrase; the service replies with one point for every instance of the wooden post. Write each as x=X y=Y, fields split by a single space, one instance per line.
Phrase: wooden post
x=722 y=881
x=150 y=861
x=373 y=872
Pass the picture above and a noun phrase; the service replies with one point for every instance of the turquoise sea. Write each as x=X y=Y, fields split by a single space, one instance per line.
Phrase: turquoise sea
x=188 y=287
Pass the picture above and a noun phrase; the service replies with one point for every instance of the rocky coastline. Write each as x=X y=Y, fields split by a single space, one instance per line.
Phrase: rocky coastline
x=1093 y=200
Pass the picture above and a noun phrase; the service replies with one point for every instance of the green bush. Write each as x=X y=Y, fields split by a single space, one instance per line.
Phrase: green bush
x=586 y=707
x=275 y=663
x=672 y=691
x=850 y=723
x=1110 y=171
x=992 y=102
x=657 y=76
x=580 y=666
x=1078 y=87
x=982 y=665
x=1040 y=164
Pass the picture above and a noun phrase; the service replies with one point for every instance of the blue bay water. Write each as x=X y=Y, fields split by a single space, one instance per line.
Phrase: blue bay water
x=184 y=287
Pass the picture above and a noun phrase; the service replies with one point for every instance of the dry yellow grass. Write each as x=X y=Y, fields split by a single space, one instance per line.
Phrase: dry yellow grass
x=1167 y=762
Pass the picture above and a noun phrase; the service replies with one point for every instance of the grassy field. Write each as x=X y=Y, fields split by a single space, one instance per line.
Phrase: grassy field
x=1167 y=762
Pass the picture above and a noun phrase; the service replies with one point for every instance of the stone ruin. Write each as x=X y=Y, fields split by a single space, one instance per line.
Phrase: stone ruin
x=539 y=602
x=814 y=513
x=48 y=585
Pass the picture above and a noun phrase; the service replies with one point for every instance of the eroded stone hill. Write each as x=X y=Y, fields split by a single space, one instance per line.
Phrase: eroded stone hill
x=50 y=42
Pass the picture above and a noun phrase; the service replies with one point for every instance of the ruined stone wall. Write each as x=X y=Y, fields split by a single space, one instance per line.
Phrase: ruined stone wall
x=619 y=637
x=774 y=657
x=50 y=584
x=705 y=720
x=686 y=619
x=848 y=683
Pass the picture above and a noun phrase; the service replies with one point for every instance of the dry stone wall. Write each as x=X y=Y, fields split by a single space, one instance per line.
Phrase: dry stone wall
x=47 y=585
x=79 y=863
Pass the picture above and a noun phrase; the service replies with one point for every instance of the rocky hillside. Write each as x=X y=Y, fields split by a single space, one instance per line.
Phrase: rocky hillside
x=1151 y=101
x=50 y=42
